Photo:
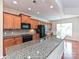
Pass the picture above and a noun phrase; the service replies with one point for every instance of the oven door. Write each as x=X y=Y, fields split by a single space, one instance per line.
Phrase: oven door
x=27 y=38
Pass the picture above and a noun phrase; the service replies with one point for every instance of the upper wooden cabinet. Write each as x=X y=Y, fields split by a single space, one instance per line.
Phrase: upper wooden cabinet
x=34 y=24
x=17 y=22
x=25 y=19
x=12 y=21
x=8 y=21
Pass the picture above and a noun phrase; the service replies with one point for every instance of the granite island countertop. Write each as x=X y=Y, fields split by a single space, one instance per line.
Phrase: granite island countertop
x=33 y=49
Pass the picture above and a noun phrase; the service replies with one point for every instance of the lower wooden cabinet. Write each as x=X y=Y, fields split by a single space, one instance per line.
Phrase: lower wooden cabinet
x=36 y=36
x=18 y=40
x=10 y=42
x=7 y=43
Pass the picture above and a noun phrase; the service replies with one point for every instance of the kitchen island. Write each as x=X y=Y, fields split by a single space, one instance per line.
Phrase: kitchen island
x=45 y=48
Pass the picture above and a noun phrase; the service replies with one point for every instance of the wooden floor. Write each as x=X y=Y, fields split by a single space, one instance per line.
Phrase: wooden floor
x=71 y=50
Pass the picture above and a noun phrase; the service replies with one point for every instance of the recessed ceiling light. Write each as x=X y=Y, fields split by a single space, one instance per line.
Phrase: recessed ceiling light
x=29 y=8
x=38 y=12
x=15 y=2
x=51 y=6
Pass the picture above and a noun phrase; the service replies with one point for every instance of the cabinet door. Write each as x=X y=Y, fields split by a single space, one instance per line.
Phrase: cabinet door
x=18 y=40
x=33 y=24
x=8 y=42
x=25 y=19
x=37 y=23
x=36 y=36
x=17 y=22
x=8 y=21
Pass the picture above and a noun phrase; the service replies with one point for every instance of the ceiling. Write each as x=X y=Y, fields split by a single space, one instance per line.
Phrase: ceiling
x=70 y=3
x=70 y=7
x=41 y=9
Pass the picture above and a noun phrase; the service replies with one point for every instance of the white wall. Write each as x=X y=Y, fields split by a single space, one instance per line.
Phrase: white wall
x=71 y=11
x=75 y=26
x=1 y=28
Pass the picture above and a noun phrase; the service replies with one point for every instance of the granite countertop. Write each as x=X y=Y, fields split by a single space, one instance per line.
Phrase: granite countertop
x=33 y=49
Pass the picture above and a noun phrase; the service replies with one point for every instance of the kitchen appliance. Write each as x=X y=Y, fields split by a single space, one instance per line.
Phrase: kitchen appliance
x=25 y=26
x=27 y=37
x=41 y=30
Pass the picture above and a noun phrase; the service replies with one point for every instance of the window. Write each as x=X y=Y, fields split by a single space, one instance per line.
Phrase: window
x=64 y=30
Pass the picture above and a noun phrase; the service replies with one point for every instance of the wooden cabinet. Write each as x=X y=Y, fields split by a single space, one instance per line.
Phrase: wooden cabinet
x=36 y=36
x=17 y=22
x=8 y=42
x=12 y=21
x=18 y=40
x=25 y=19
x=34 y=24
x=8 y=21
x=12 y=41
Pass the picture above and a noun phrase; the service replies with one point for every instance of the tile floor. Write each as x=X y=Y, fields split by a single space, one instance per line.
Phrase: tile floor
x=71 y=50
